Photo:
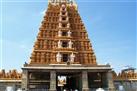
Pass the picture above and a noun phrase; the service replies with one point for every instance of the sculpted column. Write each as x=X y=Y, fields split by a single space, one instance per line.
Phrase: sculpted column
x=25 y=80
x=85 y=81
x=52 y=81
x=110 y=81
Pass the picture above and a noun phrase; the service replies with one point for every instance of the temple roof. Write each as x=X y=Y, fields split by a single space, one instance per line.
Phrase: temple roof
x=127 y=74
x=14 y=76
x=11 y=75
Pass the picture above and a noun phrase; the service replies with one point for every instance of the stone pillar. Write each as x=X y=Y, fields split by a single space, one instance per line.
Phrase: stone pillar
x=52 y=81
x=25 y=80
x=110 y=81
x=104 y=80
x=85 y=81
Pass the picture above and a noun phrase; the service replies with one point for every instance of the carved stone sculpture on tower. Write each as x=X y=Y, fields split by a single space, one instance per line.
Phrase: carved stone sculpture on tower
x=63 y=6
x=58 y=57
x=70 y=44
x=60 y=25
x=68 y=25
x=67 y=19
x=59 y=33
x=69 y=34
x=59 y=44
x=60 y=19
x=72 y=57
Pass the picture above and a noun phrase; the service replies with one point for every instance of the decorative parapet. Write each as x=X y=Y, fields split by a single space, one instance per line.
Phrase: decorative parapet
x=11 y=75
x=125 y=75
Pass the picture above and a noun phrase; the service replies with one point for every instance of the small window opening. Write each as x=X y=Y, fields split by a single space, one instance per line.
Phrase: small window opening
x=64 y=33
x=63 y=25
x=63 y=13
x=65 y=57
x=64 y=44
x=64 y=18
x=63 y=9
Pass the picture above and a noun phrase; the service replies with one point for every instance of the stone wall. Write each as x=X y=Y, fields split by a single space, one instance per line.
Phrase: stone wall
x=122 y=85
x=10 y=85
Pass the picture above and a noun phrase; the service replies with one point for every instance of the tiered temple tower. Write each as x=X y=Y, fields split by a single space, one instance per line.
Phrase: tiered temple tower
x=62 y=49
x=62 y=37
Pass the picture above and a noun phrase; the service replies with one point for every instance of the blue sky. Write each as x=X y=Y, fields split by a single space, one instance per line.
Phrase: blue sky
x=111 y=26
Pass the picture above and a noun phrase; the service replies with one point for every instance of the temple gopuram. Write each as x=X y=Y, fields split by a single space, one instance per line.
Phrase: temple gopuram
x=62 y=58
x=64 y=52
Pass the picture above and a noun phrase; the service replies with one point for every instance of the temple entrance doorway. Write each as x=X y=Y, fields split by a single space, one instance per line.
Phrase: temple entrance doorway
x=96 y=80
x=69 y=82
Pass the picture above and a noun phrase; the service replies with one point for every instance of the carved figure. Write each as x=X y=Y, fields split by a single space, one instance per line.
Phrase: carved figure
x=58 y=57
x=60 y=25
x=70 y=44
x=72 y=57
x=63 y=6
x=68 y=25
x=59 y=44
x=59 y=33
x=69 y=34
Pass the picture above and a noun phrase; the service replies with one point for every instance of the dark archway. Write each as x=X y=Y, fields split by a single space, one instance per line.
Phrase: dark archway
x=73 y=81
